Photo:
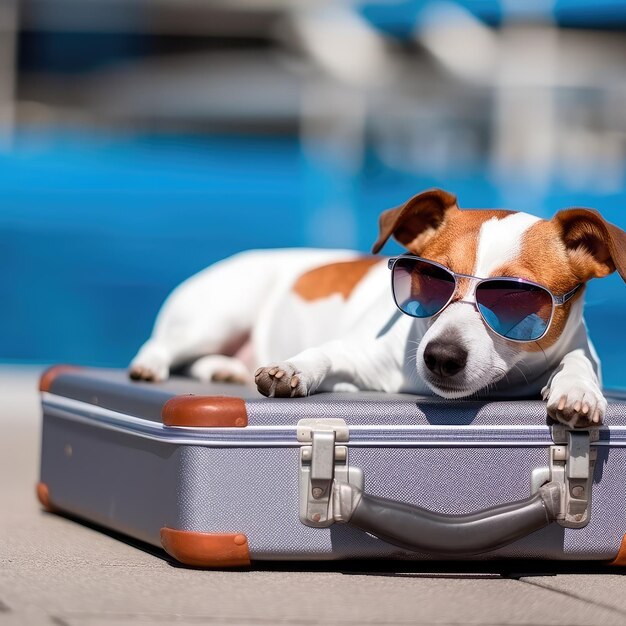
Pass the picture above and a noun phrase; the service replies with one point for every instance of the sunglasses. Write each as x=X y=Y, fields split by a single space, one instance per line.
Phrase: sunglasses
x=514 y=308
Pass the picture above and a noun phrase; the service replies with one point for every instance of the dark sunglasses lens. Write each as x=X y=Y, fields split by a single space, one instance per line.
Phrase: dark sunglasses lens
x=515 y=310
x=421 y=289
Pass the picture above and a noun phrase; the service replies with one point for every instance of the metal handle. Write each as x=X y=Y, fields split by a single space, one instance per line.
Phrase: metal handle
x=421 y=530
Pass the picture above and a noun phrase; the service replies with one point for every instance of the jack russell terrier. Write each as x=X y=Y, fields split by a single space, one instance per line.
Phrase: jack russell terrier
x=486 y=302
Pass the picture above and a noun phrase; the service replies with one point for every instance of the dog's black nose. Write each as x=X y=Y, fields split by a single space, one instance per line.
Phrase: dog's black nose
x=445 y=359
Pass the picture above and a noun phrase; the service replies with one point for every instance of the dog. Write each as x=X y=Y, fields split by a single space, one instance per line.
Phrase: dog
x=487 y=303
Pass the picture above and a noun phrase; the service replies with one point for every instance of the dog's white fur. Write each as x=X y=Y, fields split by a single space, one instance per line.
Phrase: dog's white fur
x=361 y=342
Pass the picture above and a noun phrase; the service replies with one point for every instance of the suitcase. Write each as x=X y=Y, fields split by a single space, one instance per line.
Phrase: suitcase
x=220 y=476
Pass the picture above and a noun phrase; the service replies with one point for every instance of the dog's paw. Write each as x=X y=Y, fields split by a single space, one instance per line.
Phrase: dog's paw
x=220 y=369
x=151 y=370
x=151 y=364
x=281 y=380
x=147 y=373
x=577 y=402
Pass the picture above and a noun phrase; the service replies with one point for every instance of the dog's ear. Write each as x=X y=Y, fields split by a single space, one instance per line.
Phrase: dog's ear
x=595 y=247
x=414 y=222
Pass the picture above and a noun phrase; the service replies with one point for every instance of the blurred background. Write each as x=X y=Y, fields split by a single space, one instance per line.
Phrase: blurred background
x=141 y=140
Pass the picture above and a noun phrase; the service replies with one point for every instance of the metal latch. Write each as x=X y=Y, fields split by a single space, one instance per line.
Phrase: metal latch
x=323 y=460
x=572 y=464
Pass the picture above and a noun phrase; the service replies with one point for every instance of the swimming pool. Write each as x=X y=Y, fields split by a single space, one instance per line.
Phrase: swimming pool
x=96 y=230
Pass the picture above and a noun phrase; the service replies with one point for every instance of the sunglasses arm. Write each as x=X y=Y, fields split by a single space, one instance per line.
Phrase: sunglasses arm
x=560 y=300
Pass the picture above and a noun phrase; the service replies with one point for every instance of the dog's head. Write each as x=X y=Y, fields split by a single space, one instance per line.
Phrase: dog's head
x=459 y=355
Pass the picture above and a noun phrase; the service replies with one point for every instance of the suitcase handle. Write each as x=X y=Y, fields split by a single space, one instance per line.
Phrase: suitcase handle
x=421 y=530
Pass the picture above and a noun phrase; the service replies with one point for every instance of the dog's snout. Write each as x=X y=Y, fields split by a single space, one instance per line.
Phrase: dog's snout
x=445 y=359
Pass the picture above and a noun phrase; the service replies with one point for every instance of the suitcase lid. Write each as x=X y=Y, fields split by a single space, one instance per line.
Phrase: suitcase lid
x=189 y=411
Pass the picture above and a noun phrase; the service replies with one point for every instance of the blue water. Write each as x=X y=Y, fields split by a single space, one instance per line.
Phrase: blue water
x=401 y=17
x=96 y=230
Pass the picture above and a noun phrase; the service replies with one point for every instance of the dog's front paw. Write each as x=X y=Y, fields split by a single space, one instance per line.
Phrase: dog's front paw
x=281 y=380
x=148 y=373
x=574 y=401
x=152 y=363
x=220 y=369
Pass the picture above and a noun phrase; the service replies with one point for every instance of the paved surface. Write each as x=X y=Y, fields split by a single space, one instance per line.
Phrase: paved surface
x=56 y=571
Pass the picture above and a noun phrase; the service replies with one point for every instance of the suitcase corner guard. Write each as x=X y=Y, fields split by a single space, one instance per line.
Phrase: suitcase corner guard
x=205 y=412
x=331 y=491
x=218 y=550
x=43 y=495
x=620 y=557
x=50 y=374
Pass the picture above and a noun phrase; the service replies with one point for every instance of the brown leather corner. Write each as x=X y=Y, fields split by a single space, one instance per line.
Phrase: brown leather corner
x=206 y=549
x=43 y=494
x=620 y=559
x=47 y=378
x=205 y=412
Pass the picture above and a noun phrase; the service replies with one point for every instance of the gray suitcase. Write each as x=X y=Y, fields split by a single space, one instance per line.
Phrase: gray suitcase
x=220 y=476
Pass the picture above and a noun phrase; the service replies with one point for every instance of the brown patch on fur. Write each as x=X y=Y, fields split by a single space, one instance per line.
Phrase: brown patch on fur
x=573 y=247
x=327 y=280
x=544 y=260
x=596 y=247
x=456 y=242
x=417 y=220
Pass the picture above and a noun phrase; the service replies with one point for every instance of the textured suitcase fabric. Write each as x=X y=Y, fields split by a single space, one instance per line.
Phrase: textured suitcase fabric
x=233 y=488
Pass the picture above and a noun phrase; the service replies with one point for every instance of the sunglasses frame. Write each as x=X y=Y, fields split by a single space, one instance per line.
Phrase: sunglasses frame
x=475 y=282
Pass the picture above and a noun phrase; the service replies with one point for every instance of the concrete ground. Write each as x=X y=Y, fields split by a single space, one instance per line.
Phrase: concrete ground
x=55 y=570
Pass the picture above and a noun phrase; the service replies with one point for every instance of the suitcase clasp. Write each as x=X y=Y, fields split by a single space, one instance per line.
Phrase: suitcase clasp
x=322 y=460
x=572 y=465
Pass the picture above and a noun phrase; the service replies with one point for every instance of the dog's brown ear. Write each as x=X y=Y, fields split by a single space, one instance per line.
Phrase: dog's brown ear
x=595 y=247
x=414 y=222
